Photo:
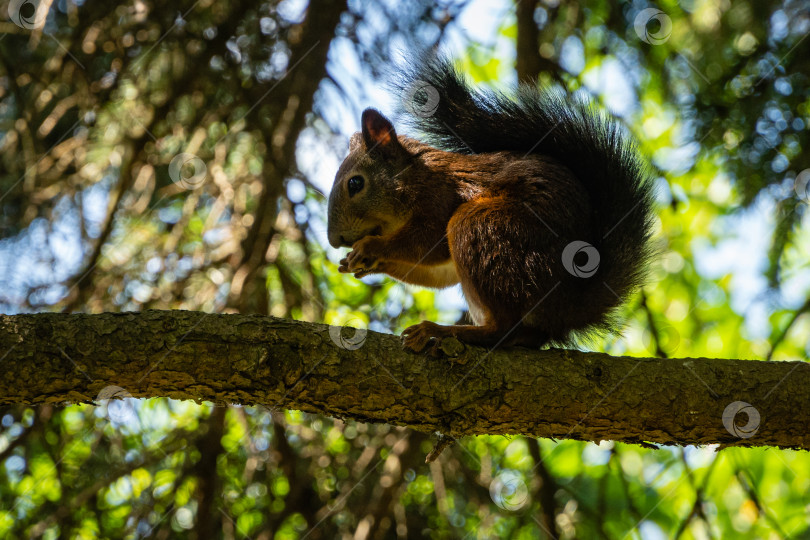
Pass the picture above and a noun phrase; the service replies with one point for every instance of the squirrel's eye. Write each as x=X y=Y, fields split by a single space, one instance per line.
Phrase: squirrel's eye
x=355 y=185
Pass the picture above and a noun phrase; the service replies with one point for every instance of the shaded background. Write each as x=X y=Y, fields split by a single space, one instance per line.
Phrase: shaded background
x=175 y=157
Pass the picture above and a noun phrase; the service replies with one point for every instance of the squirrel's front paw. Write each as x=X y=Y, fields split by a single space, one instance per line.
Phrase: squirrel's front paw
x=361 y=260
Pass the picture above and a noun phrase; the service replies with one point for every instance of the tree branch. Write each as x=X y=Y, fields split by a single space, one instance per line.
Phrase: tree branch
x=279 y=363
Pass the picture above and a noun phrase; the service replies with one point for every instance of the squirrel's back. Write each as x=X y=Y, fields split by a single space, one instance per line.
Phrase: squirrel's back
x=593 y=146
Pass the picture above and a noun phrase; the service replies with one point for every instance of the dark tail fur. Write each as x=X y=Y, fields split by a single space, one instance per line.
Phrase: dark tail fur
x=553 y=123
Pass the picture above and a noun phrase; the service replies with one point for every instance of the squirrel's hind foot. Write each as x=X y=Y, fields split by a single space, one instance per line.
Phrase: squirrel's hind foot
x=427 y=336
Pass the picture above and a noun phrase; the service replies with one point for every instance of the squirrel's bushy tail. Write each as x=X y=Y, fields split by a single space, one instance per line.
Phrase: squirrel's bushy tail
x=454 y=117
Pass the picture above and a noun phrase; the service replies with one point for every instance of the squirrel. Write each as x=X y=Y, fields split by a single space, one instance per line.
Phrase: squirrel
x=538 y=204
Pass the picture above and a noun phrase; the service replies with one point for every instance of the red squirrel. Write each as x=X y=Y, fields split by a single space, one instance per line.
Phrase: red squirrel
x=537 y=203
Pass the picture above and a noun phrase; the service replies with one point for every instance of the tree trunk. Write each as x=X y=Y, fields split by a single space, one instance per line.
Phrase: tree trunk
x=278 y=363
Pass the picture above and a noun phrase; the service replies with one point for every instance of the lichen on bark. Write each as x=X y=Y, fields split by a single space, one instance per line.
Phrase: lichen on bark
x=286 y=364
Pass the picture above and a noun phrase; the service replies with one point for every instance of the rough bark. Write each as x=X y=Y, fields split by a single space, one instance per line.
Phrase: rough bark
x=278 y=363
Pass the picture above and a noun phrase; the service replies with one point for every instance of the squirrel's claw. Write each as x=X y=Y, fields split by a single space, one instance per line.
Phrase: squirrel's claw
x=425 y=335
x=359 y=260
x=359 y=271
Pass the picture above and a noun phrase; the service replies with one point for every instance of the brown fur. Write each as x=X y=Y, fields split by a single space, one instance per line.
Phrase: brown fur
x=495 y=222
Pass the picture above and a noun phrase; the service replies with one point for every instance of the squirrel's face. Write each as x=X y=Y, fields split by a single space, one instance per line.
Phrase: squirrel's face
x=365 y=199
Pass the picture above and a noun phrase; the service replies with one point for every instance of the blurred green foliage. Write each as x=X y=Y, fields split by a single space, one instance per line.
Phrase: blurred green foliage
x=95 y=105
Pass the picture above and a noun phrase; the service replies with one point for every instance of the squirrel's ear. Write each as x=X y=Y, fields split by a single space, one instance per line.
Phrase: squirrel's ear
x=377 y=130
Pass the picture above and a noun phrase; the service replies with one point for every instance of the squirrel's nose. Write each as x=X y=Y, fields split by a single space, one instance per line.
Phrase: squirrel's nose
x=336 y=240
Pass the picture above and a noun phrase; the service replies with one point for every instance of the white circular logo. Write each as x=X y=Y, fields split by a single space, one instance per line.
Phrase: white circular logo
x=119 y=404
x=668 y=339
x=509 y=491
x=427 y=102
x=350 y=343
x=590 y=266
x=178 y=171
x=802 y=185
x=643 y=19
x=28 y=14
x=730 y=414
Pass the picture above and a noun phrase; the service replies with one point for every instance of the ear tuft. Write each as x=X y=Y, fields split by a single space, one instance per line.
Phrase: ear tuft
x=377 y=129
x=355 y=142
